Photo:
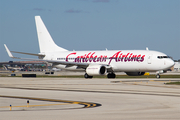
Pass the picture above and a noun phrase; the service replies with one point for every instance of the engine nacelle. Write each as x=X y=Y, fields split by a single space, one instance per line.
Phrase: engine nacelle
x=96 y=70
x=135 y=73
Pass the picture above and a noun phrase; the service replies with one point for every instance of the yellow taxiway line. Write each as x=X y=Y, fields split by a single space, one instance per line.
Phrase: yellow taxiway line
x=36 y=105
x=65 y=102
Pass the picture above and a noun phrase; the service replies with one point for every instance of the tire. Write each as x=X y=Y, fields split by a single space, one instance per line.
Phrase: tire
x=158 y=76
x=87 y=76
x=111 y=75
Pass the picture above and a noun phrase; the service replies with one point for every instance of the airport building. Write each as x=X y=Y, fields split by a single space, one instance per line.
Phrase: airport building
x=177 y=66
x=24 y=65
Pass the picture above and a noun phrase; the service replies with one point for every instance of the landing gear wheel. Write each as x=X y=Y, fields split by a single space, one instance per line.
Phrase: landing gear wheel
x=158 y=76
x=111 y=75
x=87 y=76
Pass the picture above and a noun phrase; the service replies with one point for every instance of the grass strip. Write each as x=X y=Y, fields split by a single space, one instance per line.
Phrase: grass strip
x=173 y=83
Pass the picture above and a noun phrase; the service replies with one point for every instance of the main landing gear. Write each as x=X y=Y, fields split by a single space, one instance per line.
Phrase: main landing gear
x=111 y=75
x=87 y=76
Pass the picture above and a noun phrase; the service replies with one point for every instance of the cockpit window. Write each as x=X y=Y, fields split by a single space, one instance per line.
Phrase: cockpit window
x=161 y=57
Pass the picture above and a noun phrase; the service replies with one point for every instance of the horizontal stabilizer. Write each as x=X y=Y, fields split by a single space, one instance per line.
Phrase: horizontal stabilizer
x=10 y=54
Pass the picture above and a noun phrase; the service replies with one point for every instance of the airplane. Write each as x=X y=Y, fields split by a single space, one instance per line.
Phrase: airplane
x=104 y=62
x=56 y=69
x=13 y=68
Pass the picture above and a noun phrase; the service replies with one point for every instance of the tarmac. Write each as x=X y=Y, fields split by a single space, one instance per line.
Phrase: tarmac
x=87 y=99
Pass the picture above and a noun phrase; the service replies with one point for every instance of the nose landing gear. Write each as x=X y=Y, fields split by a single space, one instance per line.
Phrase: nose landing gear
x=158 y=76
x=158 y=73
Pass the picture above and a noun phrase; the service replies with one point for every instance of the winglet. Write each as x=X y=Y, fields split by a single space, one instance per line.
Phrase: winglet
x=8 y=51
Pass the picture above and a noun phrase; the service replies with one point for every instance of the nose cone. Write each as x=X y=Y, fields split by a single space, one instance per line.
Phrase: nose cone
x=170 y=63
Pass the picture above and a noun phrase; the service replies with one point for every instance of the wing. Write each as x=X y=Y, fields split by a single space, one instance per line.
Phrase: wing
x=56 y=62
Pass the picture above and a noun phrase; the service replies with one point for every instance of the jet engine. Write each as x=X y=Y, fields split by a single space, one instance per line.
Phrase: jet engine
x=135 y=73
x=96 y=70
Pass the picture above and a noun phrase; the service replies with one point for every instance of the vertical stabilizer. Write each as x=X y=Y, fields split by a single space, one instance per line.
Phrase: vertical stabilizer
x=46 y=43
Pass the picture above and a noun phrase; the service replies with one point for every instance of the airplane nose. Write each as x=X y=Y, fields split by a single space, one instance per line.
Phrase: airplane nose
x=170 y=63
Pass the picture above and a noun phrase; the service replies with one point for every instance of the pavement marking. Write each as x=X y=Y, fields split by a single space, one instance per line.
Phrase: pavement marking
x=65 y=102
x=35 y=105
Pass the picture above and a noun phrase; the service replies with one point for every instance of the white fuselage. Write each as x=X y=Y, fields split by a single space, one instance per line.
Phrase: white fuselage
x=119 y=60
